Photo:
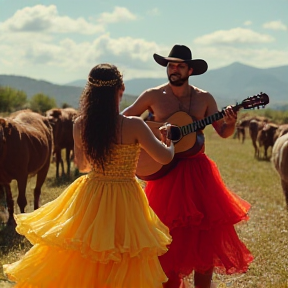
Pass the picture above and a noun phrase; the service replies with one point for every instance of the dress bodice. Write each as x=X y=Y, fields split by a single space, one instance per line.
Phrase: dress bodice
x=122 y=163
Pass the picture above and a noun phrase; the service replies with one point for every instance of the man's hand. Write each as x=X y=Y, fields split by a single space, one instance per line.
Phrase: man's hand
x=230 y=117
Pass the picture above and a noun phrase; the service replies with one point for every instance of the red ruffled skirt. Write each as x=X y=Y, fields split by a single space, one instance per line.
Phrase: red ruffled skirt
x=200 y=211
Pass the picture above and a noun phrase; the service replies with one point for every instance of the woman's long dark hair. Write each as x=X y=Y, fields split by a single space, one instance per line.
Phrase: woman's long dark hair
x=99 y=112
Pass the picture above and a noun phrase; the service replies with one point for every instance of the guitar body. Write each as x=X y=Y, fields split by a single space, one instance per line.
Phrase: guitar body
x=148 y=168
x=190 y=141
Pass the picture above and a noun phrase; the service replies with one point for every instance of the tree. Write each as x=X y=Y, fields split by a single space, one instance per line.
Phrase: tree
x=41 y=103
x=11 y=99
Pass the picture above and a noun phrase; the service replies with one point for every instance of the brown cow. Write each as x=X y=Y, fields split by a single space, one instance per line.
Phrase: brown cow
x=279 y=160
x=26 y=141
x=241 y=126
x=62 y=123
x=267 y=137
x=254 y=127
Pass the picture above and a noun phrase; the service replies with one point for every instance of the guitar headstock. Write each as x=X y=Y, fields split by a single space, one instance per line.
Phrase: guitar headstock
x=256 y=101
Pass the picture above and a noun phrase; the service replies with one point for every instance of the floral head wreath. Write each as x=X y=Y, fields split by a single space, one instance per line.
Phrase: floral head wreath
x=102 y=83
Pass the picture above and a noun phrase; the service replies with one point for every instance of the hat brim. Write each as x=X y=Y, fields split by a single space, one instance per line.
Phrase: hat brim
x=199 y=66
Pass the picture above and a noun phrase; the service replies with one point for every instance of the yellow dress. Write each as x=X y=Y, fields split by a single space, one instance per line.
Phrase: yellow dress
x=99 y=233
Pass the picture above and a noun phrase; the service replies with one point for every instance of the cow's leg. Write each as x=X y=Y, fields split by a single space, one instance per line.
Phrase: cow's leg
x=62 y=167
x=256 y=150
x=59 y=161
x=265 y=152
x=236 y=134
x=4 y=211
x=41 y=176
x=243 y=135
x=10 y=202
x=21 y=199
x=68 y=161
x=284 y=185
x=8 y=199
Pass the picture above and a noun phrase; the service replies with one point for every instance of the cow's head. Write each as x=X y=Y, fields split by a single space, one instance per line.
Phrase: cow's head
x=266 y=136
x=4 y=213
x=54 y=116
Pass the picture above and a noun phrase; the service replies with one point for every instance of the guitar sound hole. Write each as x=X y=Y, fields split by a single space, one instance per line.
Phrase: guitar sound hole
x=175 y=133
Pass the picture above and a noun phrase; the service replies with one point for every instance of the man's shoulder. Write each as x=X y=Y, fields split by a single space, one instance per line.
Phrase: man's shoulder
x=199 y=90
x=202 y=93
x=156 y=89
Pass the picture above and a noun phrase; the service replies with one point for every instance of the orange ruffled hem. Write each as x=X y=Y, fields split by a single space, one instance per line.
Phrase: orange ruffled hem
x=97 y=233
x=54 y=267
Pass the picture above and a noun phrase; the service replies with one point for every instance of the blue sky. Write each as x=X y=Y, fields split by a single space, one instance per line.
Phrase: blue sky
x=60 y=41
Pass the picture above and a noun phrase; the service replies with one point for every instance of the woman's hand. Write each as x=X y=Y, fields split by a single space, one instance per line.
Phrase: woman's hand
x=165 y=132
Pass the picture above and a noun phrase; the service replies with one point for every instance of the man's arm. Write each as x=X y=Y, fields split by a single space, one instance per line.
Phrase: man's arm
x=141 y=104
x=224 y=127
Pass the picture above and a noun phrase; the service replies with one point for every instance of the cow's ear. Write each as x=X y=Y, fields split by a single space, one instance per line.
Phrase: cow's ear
x=57 y=113
x=3 y=122
x=7 y=126
x=275 y=127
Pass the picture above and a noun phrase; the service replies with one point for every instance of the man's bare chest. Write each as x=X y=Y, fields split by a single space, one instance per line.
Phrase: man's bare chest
x=167 y=106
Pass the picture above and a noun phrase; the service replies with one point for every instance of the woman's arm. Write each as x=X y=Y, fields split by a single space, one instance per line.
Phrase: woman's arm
x=158 y=150
x=80 y=158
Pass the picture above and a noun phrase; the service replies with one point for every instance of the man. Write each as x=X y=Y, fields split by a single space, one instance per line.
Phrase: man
x=191 y=199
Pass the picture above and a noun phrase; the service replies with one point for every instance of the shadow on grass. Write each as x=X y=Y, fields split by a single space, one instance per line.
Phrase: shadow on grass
x=10 y=239
x=264 y=159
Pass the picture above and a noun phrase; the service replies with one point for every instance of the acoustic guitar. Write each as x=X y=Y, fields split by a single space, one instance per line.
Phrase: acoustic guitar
x=186 y=135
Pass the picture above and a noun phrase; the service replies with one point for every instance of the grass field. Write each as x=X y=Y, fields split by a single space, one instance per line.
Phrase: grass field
x=265 y=234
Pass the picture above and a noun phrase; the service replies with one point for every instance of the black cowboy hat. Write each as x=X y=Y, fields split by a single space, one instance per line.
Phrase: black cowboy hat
x=181 y=53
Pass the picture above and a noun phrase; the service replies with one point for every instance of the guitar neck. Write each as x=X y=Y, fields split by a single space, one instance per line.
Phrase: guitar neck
x=201 y=124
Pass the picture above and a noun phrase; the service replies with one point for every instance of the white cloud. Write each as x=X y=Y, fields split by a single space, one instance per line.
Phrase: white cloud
x=119 y=14
x=31 y=45
x=70 y=56
x=30 y=41
x=68 y=60
x=40 y=18
x=261 y=58
x=275 y=25
x=234 y=36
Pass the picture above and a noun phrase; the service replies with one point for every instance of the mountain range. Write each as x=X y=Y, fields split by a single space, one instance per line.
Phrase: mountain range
x=229 y=85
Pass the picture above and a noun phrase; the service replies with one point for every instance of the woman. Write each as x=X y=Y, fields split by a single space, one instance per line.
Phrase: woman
x=100 y=232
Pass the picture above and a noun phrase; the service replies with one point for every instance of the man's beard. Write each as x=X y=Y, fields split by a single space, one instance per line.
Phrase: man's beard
x=179 y=81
